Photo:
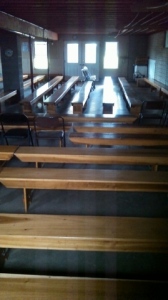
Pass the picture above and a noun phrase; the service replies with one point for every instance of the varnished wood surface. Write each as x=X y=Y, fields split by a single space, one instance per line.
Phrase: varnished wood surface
x=82 y=95
x=84 y=179
x=164 y=92
x=152 y=83
x=119 y=128
x=90 y=233
x=129 y=93
x=60 y=93
x=36 y=80
x=57 y=96
x=109 y=139
x=37 y=94
x=6 y=152
x=7 y=95
x=80 y=99
x=16 y=287
x=109 y=118
x=84 y=118
x=25 y=76
x=107 y=90
x=92 y=155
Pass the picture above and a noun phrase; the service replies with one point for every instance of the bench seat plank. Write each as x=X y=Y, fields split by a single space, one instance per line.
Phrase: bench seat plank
x=108 y=95
x=7 y=152
x=55 y=288
x=96 y=118
x=130 y=96
x=36 y=80
x=5 y=96
x=89 y=233
x=152 y=83
x=164 y=92
x=109 y=118
x=109 y=139
x=119 y=128
x=84 y=179
x=56 y=97
x=80 y=98
x=39 y=93
x=92 y=155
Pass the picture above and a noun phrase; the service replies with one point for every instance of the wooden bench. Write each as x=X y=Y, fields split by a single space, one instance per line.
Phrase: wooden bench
x=119 y=128
x=106 y=156
x=158 y=86
x=38 y=94
x=108 y=95
x=36 y=80
x=70 y=119
x=164 y=92
x=52 y=101
x=153 y=84
x=129 y=94
x=7 y=152
x=105 y=118
x=84 y=233
x=6 y=96
x=80 y=99
x=55 y=288
x=96 y=118
x=25 y=76
x=82 y=179
x=112 y=139
x=118 y=134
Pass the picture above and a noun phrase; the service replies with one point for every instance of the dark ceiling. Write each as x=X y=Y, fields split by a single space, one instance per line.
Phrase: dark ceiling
x=112 y=17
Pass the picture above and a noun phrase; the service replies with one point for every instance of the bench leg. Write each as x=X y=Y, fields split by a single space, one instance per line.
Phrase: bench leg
x=155 y=168
x=26 y=198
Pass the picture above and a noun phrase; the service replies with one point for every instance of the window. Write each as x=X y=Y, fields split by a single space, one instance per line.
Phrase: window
x=40 y=57
x=111 y=55
x=90 y=53
x=72 y=53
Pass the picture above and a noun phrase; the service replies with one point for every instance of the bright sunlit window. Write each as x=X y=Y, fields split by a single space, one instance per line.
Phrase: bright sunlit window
x=72 y=53
x=40 y=58
x=111 y=55
x=90 y=53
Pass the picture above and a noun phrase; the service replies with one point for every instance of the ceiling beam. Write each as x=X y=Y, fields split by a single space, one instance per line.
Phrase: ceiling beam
x=11 y=23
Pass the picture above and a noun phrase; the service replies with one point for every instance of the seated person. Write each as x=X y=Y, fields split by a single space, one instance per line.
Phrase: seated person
x=87 y=75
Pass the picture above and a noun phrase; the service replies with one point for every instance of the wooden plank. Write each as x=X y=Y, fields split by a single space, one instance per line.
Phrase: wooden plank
x=108 y=95
x=99 y=118
x=96 y=118
x=39 y=93
x=92 y=155
x=119 y=128
x=164 y=92
x=84 y=179
x=54 y=99
x=89 y=233
x=25 y=76
x=36 y=80
x=152 y=83
x=7 y=152
x=130 y=96
x=7 y=95
x=80 y=98
x=109 y=139
x=55 y=288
